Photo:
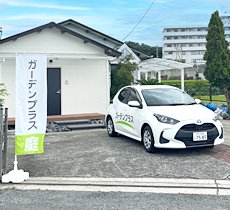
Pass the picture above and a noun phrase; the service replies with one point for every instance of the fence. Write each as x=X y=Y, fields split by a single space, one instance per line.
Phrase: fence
x=205 y=93
x=3 y=140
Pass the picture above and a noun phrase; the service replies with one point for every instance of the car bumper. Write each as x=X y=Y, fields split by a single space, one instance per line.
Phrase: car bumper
x=180 y=136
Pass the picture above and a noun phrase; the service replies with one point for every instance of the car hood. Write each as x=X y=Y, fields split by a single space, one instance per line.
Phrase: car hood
x=183 y=112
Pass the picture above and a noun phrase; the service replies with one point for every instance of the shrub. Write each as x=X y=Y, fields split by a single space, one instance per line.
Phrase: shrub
x=173 y=78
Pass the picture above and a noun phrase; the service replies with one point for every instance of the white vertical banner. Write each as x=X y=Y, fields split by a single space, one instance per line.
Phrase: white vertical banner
x=31 y=103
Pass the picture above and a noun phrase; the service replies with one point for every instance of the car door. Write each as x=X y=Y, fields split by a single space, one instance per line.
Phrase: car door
x=121 y=108
x=133 y=114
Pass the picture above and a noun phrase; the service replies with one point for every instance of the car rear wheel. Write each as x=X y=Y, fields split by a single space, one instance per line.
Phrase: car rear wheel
x=148 y=140
x=110 y=128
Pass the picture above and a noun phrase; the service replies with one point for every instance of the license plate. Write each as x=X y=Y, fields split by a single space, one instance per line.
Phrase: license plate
x=200 y=136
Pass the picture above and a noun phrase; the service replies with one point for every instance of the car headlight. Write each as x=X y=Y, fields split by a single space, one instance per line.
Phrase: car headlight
x=165 y=119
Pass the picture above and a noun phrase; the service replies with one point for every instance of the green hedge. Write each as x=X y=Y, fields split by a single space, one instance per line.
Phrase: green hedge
x=195 y=87
x=186 y=82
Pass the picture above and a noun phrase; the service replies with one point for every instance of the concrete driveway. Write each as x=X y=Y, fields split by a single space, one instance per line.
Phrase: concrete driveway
x=92 y=153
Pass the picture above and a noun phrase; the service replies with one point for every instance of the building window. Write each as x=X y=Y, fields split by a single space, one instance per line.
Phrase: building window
x=168 y=30
x=169 y=37
x=175 y=37
x=170 y=52
x=197 y=60
x=149 y=74
x=183 y=52
x=195 y=52
x=175 y=30
x=169 y=45
x=142 y=75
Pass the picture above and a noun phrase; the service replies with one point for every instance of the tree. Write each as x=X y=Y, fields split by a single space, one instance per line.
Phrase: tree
x=197 y=76
x=3 y=93
x=146 y=48
x=217 y=55
x=149 y=81
x=122 y=75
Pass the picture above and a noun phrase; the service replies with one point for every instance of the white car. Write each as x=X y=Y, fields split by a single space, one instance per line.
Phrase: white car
x=162 y=116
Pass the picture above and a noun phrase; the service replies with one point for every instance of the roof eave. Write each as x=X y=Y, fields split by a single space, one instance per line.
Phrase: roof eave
x=108 y=51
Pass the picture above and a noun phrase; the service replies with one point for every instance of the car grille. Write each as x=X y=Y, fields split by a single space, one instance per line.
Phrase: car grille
x=185 y=134
x=194 y=127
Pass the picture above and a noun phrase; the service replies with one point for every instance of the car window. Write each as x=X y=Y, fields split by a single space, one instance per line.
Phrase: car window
x=133 y=96
x=123 y=96
x=166 y=97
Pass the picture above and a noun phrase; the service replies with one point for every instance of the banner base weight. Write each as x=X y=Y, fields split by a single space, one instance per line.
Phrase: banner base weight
x=15 y=176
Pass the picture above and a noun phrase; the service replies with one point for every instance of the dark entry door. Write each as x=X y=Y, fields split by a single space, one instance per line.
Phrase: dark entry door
x=53 y=91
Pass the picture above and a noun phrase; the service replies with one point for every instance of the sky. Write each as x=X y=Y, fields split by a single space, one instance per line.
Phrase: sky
x=116 y=18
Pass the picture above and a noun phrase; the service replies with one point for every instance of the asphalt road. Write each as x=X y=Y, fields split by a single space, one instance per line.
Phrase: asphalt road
x=36 y=200
x=92 y=153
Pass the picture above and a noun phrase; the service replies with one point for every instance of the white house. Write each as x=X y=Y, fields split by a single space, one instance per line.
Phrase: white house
x=77 y=71
x=78 y=68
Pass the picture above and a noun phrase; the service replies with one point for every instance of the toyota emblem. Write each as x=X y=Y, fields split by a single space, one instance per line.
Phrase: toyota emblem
x=199 y=121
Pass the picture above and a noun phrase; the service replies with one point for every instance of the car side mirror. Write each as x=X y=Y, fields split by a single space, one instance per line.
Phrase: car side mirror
x=135 y=104
x=198 y=101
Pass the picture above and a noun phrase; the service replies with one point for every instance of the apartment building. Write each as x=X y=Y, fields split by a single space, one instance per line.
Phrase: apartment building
x=188 y=43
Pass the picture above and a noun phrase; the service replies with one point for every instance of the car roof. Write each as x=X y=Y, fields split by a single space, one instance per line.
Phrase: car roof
x=146 y=87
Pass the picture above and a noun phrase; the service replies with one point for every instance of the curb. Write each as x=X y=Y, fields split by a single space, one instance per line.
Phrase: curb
x=151 y=185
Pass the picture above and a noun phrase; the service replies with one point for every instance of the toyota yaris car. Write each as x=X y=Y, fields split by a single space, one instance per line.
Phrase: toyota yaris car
x=162 y=116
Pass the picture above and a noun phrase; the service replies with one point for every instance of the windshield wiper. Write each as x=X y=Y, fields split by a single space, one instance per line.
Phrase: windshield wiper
x=178 y=104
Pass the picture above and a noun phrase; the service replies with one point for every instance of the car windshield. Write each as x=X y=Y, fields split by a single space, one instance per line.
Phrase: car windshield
x=166 y=97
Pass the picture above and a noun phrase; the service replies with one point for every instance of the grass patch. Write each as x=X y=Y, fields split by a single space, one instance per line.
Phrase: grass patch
x=10 y=188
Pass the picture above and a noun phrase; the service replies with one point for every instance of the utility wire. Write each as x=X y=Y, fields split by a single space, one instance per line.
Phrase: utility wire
x=139 y=20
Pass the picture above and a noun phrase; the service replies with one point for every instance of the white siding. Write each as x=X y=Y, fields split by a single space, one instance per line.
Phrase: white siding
x=50 y=41
x=92 y=35
x=86 y=91
x=8 y=78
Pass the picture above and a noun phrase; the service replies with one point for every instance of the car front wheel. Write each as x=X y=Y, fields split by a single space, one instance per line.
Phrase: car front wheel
x=148 y=140
x=110 y=128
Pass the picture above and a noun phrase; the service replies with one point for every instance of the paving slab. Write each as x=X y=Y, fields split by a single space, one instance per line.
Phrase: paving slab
x=92 y=153
x=226 y=124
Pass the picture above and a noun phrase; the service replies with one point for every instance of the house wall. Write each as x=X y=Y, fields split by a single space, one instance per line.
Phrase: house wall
x=50 y=41
x=87 y=90
x=8 y=78
x=90 y=35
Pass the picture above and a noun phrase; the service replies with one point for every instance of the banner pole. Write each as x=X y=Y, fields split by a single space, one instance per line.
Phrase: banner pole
x=15 y=176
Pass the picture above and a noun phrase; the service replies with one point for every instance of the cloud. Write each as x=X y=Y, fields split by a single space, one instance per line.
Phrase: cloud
x=49 y=6
x=109 y=9
x=87 y=20
x=36 y=17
